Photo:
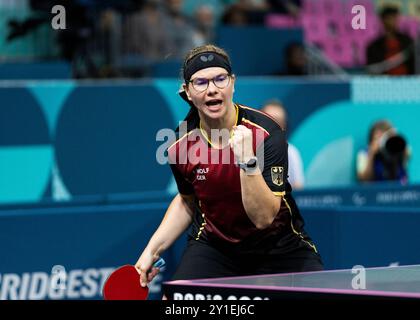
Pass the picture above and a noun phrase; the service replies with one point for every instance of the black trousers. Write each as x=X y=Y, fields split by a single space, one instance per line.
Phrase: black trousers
x=203 y=260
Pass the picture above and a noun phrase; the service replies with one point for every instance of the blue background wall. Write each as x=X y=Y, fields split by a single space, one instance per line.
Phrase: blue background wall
x=371 y=237
x=68 y=139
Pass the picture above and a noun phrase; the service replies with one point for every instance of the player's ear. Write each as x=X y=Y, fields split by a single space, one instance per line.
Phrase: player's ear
x=187 y=91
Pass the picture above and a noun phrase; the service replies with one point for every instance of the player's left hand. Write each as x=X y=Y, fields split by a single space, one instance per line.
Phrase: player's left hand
x=241 y=143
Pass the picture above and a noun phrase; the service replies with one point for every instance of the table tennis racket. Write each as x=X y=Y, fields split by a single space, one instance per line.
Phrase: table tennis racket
x=124 y=283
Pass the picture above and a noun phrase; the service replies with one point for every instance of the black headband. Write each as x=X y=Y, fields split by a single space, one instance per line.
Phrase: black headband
x=205 y=60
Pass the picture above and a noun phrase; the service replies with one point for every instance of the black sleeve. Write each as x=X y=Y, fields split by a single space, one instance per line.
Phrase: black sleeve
x=273 y=163
x=184 y=187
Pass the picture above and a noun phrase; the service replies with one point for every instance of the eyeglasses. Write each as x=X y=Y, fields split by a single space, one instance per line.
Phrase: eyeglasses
x=201 y=84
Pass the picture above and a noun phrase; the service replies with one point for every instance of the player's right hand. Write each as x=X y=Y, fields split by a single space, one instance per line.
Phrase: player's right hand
x=144 y=266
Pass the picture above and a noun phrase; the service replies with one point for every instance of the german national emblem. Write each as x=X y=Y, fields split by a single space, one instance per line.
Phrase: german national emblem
x=277 y=175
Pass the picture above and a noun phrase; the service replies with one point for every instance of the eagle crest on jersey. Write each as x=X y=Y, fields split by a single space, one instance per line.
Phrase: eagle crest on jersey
x=277 y=175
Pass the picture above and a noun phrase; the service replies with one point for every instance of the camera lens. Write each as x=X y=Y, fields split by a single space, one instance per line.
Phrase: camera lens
x=395 y=145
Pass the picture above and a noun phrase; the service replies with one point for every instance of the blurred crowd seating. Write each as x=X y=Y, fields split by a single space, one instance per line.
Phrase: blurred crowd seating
x=327 y=24
x=110 y=43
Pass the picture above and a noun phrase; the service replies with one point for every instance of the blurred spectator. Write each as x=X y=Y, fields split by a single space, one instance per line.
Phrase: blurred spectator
x=290 y=7
x=295 y=58
x=386 y=156
x=73 y=40
x=108 y=38
x=393 y=52
x=180 y=29
x=276 y=110
x=157 y=32
x=235 y=15
x=256 y=11
x=145 y=33
x=90 y=25
x=205 y=23
x=247 y=4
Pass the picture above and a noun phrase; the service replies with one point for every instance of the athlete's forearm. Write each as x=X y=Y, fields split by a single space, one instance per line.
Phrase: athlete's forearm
x=260 y=204
x=176 y=220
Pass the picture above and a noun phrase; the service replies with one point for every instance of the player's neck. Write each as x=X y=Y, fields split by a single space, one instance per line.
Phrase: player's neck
x=227 y=122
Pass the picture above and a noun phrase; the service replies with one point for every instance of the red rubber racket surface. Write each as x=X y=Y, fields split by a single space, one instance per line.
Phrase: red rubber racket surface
x=124 y=284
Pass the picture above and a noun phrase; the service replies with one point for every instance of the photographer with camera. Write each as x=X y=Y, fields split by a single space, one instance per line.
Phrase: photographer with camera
x=386 y=157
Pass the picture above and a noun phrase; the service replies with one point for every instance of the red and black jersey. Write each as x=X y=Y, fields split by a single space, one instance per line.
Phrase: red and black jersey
x=220 y=215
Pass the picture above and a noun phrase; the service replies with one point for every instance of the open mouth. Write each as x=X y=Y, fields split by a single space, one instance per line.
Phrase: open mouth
x=214 y=103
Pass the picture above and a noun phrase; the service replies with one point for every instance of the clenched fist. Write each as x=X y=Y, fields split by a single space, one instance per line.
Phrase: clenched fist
x=241 y=143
